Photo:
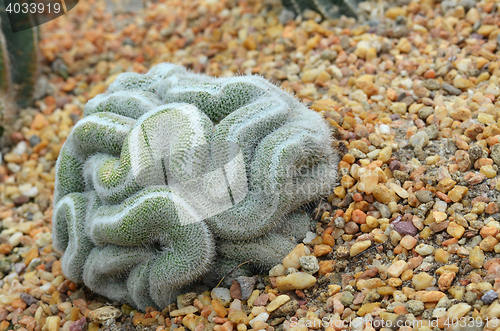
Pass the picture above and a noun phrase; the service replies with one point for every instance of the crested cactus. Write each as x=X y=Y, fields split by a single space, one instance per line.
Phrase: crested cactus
x=172 y=175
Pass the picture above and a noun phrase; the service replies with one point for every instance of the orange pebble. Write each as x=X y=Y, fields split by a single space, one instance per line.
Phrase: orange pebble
x=358 y=216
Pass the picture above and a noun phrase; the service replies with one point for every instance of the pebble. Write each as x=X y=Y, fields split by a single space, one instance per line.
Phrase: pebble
x=451 y=89
x=295 y=281
x=359 y=247
x=221 y=294
x=309 y=264
x=103 y=314
x=397 y=268
x=278 y=302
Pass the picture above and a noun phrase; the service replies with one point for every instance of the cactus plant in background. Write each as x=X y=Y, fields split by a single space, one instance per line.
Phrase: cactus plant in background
x=172 y=175
x=330 y=9
x=19 y=62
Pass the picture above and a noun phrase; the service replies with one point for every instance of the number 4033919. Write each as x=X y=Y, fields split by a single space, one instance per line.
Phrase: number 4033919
x=33 y=8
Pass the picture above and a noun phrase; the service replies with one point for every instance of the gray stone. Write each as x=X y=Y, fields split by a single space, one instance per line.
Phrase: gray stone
x=424 y=196
x=415 y=307
x=451 y=89
x=309 y=264
x=247 y=285
x=431 y=84
x=383 y=209
x=495 y=154
x=346 y=298
x=339 y=222
x=425 y=112
x=489 y=297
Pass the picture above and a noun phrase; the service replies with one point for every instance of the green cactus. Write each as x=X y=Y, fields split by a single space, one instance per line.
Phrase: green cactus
x=19 y=67
x=331 y=9
x=171 y=176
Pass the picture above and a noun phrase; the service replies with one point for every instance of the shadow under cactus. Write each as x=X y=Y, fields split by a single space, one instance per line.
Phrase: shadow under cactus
x=172 y=176
x=330 y=9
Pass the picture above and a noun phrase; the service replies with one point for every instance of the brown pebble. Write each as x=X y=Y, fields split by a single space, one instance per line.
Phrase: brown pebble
x=21 y=200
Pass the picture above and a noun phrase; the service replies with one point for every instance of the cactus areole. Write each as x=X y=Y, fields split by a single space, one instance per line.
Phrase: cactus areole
x=171 y=176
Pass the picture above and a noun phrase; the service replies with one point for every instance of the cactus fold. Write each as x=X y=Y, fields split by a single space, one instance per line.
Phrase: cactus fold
x=173 y=176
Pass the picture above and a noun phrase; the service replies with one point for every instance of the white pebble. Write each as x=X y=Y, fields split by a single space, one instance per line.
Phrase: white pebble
x=46 y=287
x=15 y=239
x=44 y=239
x=261 y=317
x=222 y=294
x=424 y=249
x=373 y=154
x=14 y=168
x=8 y=279
x=309 y=237
x=440 y=205
x=277 y=270
x=21 y=148
x=31 y=193
x=385 y=129
x=420 y=138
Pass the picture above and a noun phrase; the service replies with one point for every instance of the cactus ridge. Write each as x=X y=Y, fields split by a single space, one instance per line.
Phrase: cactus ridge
x=172 y=176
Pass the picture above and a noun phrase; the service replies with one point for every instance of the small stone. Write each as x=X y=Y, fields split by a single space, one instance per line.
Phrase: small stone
x=451 y=89
x=359 y=247
x=489 y=297
x=408 y=242
x=28 y=299
x=488 y=171
x=292 y=259
x=495 y=154
x=346 y=298
x=422 y=281
x=261 y=300
x=309 y=264
x=488 y=244
x=432 y=84
x=397 y=268
x=424 y=196
x=405 y=228
x=222 y=294
x=105 y=313
x=462 y=83
x=295 y=281
x=445 y=280
x=415 y=307
x=399 y=108
x=456 y=312
x=457 y=193
x=404 y=45
x=278 y=302
x=455 y=230
x=351 y=228
x=21 y=200
x=476 y=258
x=321 y=250
x=445 y=185
x=425 y=112
x=288 y=309
x=277 y=270
x=429 y=296
x=51 y=323
x=247 y=285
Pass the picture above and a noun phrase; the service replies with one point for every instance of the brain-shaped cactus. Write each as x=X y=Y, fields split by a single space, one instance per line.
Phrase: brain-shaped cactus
x=171 y=176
